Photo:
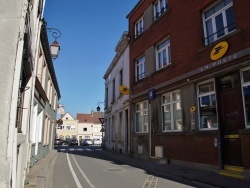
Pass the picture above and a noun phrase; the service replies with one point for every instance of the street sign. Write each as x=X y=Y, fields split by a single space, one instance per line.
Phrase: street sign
x=101 y=120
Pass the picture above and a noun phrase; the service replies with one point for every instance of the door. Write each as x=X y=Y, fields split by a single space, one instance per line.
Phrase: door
x=231 y=117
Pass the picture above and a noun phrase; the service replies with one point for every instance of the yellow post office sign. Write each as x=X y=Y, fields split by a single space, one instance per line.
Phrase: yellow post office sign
x=219 y=50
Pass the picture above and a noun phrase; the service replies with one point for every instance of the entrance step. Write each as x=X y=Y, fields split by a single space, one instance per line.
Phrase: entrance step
x=232 y=171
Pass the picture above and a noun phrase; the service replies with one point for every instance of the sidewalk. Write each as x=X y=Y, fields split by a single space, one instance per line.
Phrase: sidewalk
x=39 y=173
x=181 y=173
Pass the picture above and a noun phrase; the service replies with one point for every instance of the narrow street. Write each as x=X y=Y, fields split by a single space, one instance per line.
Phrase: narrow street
x=89 y=167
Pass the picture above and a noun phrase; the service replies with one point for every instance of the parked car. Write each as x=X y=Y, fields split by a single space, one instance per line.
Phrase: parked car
x=58 y=142
x=97 y=141
x=86 y=142
x=73 y=142
x=66 y=142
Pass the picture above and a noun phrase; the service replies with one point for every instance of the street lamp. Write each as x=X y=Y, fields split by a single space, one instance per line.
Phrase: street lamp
x=54 y=47
x=102 y=122
x=98 y=108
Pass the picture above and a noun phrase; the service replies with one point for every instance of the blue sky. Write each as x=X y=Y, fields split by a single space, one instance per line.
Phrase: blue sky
x=90 y=30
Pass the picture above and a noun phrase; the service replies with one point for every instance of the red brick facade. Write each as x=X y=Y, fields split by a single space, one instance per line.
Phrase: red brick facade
x=191 y=64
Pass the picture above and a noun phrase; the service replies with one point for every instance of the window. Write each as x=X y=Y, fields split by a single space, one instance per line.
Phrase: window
x=163 y=57
x=72 y=127
x=139 y=27
x=207 y=106
x=159 y=8
x=113 y=95
x=106 y=97
x=142 y=117
x=85 y=129
x=245 y=78
x=171 y=111
x=121 y=77
x=218 y=21
x=140 y=69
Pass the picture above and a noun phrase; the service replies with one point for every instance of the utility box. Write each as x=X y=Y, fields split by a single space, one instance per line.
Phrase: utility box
x=159 y=151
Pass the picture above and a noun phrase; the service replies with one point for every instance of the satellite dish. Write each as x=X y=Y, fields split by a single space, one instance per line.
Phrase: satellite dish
x=124 y=90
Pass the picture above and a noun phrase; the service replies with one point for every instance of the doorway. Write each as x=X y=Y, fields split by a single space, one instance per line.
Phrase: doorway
x=231 y=117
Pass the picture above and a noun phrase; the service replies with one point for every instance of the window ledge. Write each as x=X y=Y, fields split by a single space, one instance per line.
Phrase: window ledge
x=206 y=132
x=201 y=49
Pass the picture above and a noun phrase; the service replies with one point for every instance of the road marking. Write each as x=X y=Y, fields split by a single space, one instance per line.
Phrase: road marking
x=85 y=177
x=151 y=182
x=75 y=149
x=73 y=173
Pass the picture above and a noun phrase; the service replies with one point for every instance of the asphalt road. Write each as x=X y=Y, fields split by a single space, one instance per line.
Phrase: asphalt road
x=88 y=167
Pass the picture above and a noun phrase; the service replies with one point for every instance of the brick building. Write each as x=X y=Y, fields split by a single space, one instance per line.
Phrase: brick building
x=189 y=81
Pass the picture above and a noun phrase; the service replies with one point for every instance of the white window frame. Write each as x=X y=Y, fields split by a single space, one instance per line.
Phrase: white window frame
x=139 y=27
x=162 y=49
x=212 y=17
x=244 y=84
x=198 y=102
x=171 y=103
x=160 y=7
x=140 y=69
x=143 y=111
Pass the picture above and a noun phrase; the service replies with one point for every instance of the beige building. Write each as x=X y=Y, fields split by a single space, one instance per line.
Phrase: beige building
x=69 y=127
x=89 y=126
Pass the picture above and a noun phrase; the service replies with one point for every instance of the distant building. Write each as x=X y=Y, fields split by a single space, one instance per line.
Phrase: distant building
x=89 y=126
x=117 y=108
x=68 y=129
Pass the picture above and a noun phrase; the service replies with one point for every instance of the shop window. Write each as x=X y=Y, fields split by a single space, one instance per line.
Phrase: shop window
x=171 y=111
x=245 y=78
x=207 y=106
x=142 y=117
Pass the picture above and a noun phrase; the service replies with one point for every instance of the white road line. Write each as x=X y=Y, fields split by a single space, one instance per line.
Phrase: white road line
x=73 y=173
x=85 y=177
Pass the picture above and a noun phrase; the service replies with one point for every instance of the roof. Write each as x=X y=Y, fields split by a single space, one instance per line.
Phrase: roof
x=87 y=118
x=90 y=118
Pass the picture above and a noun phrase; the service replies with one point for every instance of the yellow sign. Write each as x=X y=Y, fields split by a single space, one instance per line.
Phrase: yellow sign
x=219 y=50
x=124 y=90
x=232 y=136
x=192 y=109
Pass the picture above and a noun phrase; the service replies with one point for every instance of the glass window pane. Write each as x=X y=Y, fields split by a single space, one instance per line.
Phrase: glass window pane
x=230 y=19
x=166 y=117
x=138 y=122
x=213 y=98
x=166 y=99
x=207 y=87
x=219 y=6
x=219 y=26
x=209 y=13
x=246 y=76
x=209 y=30
x=164 y=57
x=246 y=92
x=205 y=101
x=176 y=96
x=160 y=60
